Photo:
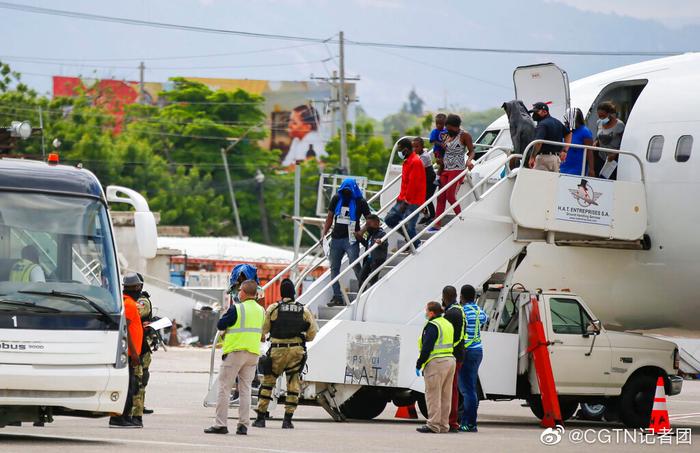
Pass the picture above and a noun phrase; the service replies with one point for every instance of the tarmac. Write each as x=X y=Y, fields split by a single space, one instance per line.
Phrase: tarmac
x=178 y=385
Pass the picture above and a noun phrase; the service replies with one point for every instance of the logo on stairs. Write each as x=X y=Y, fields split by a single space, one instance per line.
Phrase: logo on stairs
x=578 y=201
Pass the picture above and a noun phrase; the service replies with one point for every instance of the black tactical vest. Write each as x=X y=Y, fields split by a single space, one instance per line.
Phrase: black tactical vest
x=290 y=321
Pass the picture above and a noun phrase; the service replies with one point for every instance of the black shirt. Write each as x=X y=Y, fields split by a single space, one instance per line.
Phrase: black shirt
x=378 y=255
x=455 y=314
x=341 y=222
x=550 y=129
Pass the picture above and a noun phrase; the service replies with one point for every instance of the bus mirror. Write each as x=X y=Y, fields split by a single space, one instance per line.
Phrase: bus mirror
x=146 y=234
x=144 y=221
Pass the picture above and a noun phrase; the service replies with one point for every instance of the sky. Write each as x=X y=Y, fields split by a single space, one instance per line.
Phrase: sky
x=444 y=79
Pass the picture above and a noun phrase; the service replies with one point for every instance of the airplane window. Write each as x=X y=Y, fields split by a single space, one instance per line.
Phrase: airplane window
x=656 y=146
x=683 y=148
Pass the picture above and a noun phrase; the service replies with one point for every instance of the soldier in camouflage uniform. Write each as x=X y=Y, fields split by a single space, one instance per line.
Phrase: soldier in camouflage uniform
x=145 y=307
x=290 y=326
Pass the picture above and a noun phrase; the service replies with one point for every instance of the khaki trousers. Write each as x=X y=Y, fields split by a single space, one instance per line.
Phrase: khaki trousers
x=241 y=365
x=547 y=162
x=439 y=374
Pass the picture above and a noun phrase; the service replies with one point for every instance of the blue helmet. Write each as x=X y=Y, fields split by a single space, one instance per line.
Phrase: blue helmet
x=248 y=271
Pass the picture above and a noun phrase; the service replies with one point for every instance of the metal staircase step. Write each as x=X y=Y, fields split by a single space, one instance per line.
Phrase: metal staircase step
x=327 y=313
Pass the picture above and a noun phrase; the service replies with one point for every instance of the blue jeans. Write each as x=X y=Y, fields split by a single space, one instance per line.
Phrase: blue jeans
x=395 y=216
x=468 y=376
x=338 y=248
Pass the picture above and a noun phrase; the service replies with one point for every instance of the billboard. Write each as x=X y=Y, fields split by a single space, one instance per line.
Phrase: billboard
x=301 y=116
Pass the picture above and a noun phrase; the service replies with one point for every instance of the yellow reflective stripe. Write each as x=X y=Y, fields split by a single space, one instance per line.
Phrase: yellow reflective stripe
x=21 y=271
x=477 y=328
x=464 y=323
x=440 y=344
x=243 y=329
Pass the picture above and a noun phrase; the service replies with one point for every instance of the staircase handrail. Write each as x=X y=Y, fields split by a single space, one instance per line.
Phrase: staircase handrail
x=402 y=223
x=592 y=148
x=320 y=241
x=432 y=223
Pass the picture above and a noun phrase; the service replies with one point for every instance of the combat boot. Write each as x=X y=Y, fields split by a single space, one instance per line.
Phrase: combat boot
x=287 y=422
x=259 y=420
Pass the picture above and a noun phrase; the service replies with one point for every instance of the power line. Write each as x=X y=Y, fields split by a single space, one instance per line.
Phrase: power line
x=222 y=31
x=452 y=71
x=178 y=57
x=158 y=68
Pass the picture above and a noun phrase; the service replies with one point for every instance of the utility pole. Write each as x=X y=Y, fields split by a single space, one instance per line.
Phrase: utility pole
x=232 y=194
x=344 y=161
x=340 y=97
x=142 y=86
x=260 y=179
x=297 y=213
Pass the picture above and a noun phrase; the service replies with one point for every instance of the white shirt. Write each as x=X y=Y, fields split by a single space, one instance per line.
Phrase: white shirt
x=37 y=274
x=299 y=148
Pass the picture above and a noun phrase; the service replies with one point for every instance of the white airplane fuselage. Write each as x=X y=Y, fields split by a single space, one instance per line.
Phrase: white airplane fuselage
x=644 y=289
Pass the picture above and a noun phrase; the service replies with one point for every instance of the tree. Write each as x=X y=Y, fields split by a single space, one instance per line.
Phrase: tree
x=415 y=104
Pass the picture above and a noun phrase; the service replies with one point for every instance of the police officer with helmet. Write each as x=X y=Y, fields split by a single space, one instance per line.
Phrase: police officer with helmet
x=290 y=325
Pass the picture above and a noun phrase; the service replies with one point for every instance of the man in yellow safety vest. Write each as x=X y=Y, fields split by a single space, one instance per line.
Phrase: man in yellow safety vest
x=27 y=269
x=438 y=366
x=243 y=324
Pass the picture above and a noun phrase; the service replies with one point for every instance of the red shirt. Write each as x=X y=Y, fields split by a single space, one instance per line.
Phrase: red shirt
x=134 y=321
x=412 y=181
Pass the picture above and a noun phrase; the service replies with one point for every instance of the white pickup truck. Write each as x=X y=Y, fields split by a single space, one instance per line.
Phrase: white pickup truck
x=591 y=364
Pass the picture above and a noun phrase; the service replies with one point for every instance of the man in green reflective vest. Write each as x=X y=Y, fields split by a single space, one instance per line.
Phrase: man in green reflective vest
x=437 y=364
x=243 y=332
x=27 y=269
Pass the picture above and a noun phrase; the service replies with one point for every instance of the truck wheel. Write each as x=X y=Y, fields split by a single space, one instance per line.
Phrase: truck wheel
x=366 y=404
x=422 y=405
x=567 y=407
x=637 y=400
x=592 y=411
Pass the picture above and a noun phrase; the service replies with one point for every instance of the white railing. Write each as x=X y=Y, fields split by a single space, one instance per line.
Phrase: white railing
x=401 y=225
x=584 y=147
x=318 y=243
x=435 y=221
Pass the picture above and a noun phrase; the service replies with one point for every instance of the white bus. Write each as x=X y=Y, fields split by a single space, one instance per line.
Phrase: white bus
x=63 y=345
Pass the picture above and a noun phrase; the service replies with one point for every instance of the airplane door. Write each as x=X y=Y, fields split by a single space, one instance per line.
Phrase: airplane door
x=546 y=83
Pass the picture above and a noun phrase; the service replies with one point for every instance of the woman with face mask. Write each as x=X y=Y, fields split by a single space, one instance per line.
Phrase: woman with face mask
x=609 y=135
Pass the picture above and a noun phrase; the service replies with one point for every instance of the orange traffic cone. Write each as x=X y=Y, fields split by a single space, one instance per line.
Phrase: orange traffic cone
x=407 y=412
x=659 y=422
x=173 y=341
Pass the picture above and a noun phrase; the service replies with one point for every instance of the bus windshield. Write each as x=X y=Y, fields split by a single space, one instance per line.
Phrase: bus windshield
x=54 y=251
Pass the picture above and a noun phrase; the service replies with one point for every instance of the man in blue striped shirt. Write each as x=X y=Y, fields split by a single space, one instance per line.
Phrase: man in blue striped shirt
x=473 y=354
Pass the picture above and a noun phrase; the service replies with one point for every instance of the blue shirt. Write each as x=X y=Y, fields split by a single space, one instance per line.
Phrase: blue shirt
x=470 y=310
x=438 y=136
x=574 y=158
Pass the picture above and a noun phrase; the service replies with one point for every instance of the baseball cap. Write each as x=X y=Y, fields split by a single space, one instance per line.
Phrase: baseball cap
x=539 y=106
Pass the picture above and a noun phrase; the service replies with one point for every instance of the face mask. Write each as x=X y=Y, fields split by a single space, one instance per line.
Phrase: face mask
x=452 y=133
x=402 y=155
x=427 y=317
x=536 y=116
x=604 y=121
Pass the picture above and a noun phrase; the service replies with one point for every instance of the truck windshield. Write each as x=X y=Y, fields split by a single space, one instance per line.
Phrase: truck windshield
x=52 y=244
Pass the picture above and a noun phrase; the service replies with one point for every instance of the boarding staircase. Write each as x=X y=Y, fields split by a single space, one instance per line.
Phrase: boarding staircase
x=371 y=341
